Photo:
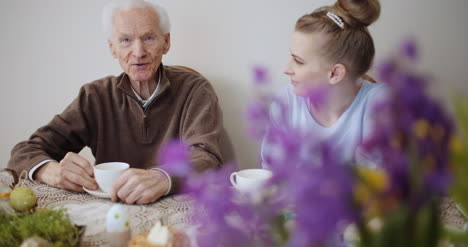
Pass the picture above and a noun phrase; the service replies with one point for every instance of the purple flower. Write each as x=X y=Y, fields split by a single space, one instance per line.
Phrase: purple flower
x=409 y=49
x=175 y=158
x=310 y=179
x=386 y=70
x=322 y=195
x=258 y=118
x=212 y=194
x=224 y=220
x=412 y=135
x=318 y=96
x=260 y=74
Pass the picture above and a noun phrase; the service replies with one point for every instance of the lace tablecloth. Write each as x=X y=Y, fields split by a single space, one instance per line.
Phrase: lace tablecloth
x=175 y=211
x=90 y=211
x=452 y=216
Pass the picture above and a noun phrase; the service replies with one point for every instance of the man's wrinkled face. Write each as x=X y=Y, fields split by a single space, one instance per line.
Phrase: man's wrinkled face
x=138 y=42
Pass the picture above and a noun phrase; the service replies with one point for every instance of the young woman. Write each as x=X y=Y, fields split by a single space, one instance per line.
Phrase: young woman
x=331 y=49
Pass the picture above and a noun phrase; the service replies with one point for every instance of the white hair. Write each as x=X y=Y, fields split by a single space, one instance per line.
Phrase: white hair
x=110 y=9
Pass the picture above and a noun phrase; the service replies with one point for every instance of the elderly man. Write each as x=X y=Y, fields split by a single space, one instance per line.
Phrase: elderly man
x=129 y=117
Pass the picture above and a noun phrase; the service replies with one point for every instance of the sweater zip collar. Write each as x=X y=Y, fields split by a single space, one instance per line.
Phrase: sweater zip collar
x=148 y=101
x=125 y=86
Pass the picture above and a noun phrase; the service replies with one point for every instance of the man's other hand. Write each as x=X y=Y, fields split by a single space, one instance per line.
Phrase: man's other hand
x=139 y=186
x=72 y=173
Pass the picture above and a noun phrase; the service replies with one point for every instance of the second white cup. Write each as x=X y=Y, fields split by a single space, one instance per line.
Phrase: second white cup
x=250 y=180
x=106 y=174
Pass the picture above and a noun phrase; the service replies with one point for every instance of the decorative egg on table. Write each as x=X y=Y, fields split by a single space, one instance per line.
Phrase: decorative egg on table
x=36 y=242
x=22 y=199
x=118 y=225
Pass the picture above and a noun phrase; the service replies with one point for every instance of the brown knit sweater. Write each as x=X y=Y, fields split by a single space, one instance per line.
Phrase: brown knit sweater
x=107 y=117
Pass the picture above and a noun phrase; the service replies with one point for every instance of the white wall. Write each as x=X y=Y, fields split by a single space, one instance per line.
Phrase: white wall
x=50 y=48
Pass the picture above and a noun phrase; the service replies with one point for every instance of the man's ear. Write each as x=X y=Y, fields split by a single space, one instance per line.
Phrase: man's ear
x=111 y=48
x=337 y=73
x=167 y=43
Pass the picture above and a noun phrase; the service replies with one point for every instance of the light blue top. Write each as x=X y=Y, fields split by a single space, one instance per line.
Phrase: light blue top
x=354 y=125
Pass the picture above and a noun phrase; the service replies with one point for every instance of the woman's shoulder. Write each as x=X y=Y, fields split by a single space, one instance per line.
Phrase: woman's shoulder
x=374 y=87
x=374 y=91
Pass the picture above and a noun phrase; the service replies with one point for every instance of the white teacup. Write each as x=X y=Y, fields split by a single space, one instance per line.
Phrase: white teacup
x=107 y=173
x=250 y=180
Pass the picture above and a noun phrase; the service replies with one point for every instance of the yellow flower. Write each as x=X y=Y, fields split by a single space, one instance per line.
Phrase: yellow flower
x=421 y=128
x=456 y=144
x=456 y=148
x=372 y=183
x=376 y=178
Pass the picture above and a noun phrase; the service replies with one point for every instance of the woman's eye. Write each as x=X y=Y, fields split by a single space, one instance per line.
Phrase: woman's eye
x=298 y=62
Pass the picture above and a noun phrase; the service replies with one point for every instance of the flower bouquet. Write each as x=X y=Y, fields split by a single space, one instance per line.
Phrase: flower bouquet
x=316 y=199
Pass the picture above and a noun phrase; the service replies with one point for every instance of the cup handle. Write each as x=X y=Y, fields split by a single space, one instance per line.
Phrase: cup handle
x=233 y=181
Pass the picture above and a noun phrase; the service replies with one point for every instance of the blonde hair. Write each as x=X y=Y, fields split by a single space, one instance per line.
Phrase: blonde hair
x=352 y=44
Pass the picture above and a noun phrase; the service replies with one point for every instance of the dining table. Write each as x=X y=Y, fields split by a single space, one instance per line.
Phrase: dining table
x=86 y=210
x=174 y=211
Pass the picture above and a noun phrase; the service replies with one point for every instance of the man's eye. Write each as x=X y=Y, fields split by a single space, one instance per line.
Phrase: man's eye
x=148 y=38
x=125 y=40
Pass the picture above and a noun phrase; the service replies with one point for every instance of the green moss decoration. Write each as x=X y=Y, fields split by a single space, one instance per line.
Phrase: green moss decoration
x=52 y=225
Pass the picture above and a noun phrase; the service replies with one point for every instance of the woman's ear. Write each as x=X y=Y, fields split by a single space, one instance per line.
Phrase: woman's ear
x=337 y=73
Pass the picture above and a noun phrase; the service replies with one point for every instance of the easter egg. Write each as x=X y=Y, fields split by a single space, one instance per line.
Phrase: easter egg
x=117 y=219
x=22 y=199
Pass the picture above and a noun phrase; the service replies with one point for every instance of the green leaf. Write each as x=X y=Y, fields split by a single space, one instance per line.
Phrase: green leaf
x=427 y=225
x=455 y=235
x=459 y=188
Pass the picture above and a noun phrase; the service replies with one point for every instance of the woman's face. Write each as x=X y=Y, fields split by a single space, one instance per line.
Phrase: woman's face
x=307 y=68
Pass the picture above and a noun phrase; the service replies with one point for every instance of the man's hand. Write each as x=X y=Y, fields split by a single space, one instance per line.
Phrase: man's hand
x=72 y=173
x=139 y=186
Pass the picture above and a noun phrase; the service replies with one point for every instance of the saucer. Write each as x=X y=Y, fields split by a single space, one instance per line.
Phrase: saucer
x=97 y=193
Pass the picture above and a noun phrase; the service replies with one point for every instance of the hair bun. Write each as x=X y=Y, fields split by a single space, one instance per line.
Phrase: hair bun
x=357 y=13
